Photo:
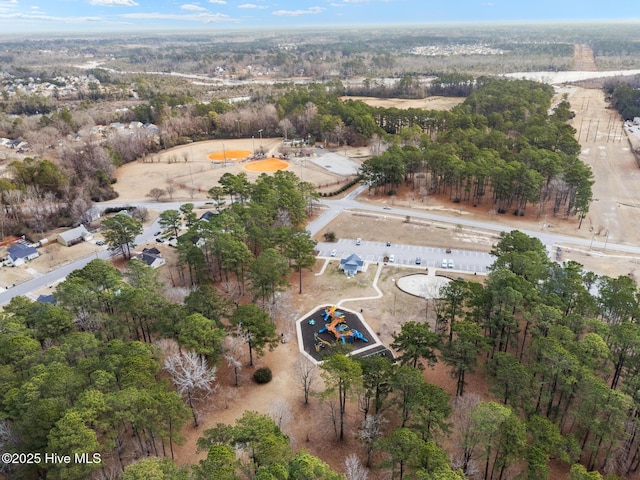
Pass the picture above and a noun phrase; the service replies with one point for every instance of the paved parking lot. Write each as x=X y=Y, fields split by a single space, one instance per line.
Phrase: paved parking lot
x=406 y=255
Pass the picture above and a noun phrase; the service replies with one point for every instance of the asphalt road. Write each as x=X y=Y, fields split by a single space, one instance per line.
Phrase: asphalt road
x=404 y=254
x=59 y=274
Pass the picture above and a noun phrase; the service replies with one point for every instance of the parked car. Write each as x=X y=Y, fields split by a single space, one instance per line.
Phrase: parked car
x=392 y=258
x=160 y=240
x=388 y=244
x=334 y=252
x=451 y=264
x=358 y=241
x=418 y=260
x=444 y=263
x=159 y=232
x=100 y=243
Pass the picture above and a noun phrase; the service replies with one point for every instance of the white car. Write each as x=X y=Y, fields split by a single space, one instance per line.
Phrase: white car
x=444 y=263
x=392 y=258
x=358 y=241
x=334 y=252
x=451 y=264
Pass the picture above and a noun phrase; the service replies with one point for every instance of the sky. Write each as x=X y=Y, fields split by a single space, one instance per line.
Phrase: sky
x=42 y=16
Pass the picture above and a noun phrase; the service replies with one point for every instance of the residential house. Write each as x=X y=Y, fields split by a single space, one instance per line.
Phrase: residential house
x=352 y=264
x=207 y=215
x=20 y=253
x=46 y=299
x=152 y=257
x=91 y=215
x=73 y=236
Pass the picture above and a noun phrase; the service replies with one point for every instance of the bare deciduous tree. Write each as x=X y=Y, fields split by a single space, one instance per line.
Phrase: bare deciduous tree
x=170 y=188
x=7 y=440
x=280 y=413
x=140 y=213
x=42 y=140
x=234 y=346
x=370 y=431
x=462 y=408
x=157 y=193
x=130 y=145
x=353 y=469
x=306 y=373
x=192 y=377
x=285 y=127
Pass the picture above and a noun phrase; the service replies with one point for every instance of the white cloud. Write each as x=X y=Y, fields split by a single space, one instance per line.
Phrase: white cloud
x=36 y=16
x=252 y=5
x=114 y=3
x=193 y=7
x=366 y=1
x=7 y=5
x=196 y=17
x=218 y=2
x=295 y=13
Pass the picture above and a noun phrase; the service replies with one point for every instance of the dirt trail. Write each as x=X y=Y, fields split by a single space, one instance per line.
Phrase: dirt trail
x=584 y=59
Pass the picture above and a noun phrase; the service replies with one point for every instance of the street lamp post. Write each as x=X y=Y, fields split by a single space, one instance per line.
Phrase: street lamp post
x=394 y=297
x=260 y=132
x=253 y=143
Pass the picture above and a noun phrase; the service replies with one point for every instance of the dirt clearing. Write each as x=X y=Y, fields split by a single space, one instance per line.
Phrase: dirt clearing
x=429 y=103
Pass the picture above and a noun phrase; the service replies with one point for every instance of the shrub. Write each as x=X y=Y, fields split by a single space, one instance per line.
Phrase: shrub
x=330 y=237
x=262 y=375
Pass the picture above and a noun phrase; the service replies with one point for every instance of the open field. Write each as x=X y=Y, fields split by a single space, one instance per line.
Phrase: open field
x=189 y=168
x=429 y=103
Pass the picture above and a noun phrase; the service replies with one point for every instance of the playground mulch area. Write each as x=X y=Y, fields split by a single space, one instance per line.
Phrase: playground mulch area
x=308 y=332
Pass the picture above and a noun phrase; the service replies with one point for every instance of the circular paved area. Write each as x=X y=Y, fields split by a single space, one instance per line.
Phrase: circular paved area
x=422 y=285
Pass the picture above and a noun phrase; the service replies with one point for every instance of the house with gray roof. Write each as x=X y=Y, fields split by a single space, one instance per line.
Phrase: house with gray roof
x=152 y=257
x=207 y=215
x=73 y=236
x=352 y=264
x=20 y=253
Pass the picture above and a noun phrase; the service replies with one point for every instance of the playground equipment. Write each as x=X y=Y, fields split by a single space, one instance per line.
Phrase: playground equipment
x=335 y=323
x=319 y=342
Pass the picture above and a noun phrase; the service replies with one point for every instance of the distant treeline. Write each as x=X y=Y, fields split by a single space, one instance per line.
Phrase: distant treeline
x=415 y=86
